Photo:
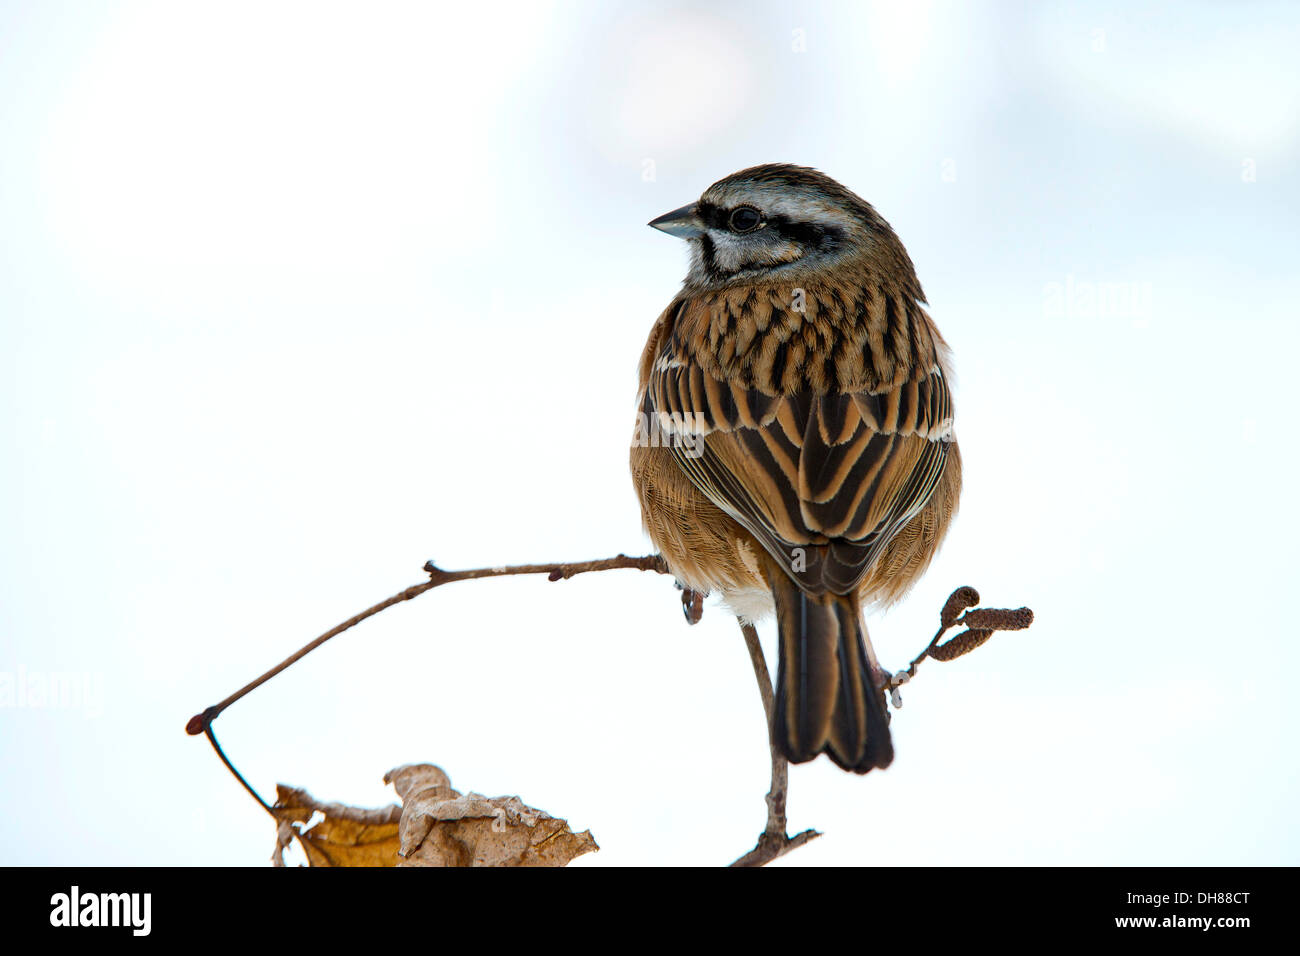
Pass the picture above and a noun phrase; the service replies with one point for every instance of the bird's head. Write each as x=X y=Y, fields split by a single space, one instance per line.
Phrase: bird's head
x=781 y=221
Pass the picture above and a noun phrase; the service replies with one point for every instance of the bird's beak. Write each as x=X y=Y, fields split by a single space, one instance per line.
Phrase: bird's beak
x=682 y=223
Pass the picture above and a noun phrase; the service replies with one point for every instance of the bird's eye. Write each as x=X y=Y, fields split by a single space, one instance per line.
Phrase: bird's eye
x=744 y=219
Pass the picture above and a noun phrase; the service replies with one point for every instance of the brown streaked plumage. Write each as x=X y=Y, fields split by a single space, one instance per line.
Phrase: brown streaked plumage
x=794 y=444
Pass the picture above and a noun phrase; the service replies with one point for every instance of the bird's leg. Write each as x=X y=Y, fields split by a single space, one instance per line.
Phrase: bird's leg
x=692 y=602
x=780 y=768
x=774 y=841
x=692 y=605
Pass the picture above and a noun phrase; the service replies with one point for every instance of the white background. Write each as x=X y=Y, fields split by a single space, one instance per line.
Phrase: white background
x=295 y=297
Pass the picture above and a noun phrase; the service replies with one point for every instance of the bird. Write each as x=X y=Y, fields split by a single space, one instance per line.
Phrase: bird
x=794 y=448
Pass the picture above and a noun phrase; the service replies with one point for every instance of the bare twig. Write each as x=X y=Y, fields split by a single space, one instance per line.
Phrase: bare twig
x=780 y=767
x=437 y=578
x=201 y=723
x=212 y=739
x=981 y=622
x=772 y=845
x=774 y=841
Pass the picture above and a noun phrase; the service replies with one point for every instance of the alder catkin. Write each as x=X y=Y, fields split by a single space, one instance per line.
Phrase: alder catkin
x=998 y=619
x=957 y=602
x=963 y=643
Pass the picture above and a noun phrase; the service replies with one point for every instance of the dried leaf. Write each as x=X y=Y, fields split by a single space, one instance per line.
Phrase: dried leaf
x=347 y=836
x=441 y=827
x=435 y=826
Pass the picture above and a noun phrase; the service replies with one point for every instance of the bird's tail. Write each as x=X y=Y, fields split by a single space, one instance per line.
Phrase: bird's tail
x=826 y=697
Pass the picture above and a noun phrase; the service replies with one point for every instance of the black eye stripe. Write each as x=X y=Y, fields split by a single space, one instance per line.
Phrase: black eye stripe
x=715 y=217
x=810 y=234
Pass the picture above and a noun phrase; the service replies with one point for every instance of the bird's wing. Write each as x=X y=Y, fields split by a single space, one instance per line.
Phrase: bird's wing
x=823 y=481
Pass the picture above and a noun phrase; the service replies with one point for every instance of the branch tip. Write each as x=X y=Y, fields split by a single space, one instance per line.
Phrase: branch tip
x=772 y=845
x=199 y=723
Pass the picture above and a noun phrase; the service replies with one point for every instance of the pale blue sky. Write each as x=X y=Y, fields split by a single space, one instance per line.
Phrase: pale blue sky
x=294 y=297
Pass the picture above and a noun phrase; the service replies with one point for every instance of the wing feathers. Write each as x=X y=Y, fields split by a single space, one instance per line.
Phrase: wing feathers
x=836 y=475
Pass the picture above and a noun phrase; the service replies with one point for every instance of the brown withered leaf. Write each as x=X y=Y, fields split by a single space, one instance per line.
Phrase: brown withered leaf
x=347 y=836
x=435 y=826
x=442 y=827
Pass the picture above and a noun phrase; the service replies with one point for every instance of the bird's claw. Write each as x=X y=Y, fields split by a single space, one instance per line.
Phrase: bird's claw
x=692 y=605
